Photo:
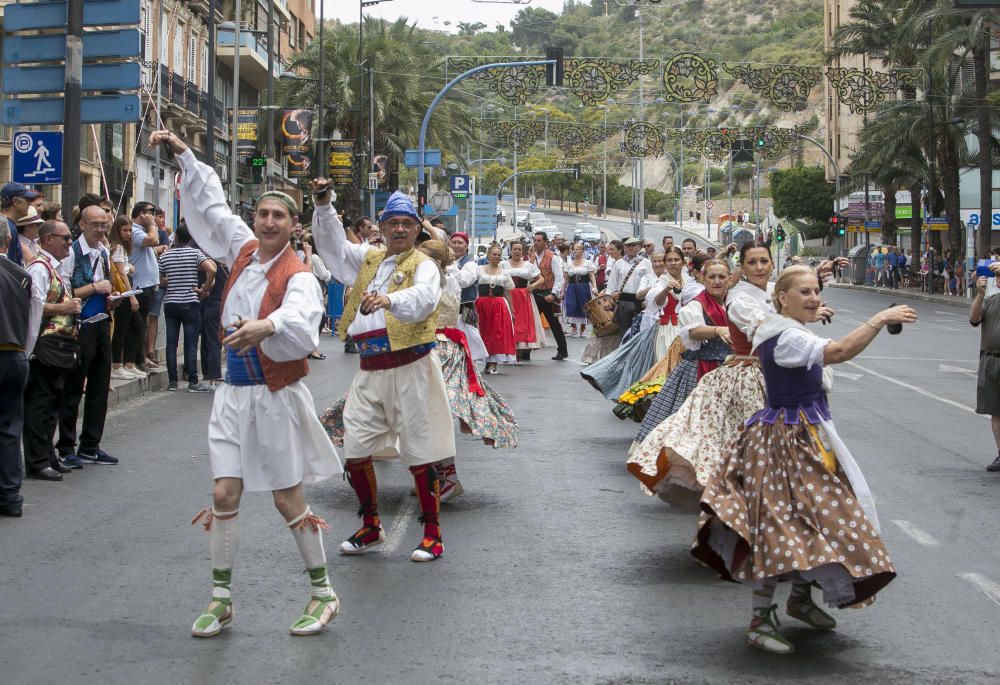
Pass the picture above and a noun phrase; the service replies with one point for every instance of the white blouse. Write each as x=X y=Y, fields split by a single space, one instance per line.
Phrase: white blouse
x=500 y=280
x=581 y=270
x=747 y=306
x=525 y=270
x=690 y=317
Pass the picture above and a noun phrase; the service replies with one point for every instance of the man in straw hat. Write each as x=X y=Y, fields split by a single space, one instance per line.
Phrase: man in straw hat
x=399 y=394
x=263 y=434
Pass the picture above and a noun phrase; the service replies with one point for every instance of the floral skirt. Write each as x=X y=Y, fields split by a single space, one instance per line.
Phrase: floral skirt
x=487 y=417
x=684 y=450
x=599 y=347
x=781 y=505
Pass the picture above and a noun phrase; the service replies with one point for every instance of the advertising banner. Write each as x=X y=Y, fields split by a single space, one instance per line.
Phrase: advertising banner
x=341 y=161
x=246 y=131
x=296 y=132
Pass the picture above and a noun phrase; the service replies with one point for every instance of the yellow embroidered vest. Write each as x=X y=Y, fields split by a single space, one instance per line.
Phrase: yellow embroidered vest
x=401 y=335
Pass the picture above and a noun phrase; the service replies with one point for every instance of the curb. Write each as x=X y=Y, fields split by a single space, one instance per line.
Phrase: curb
x=957 y=302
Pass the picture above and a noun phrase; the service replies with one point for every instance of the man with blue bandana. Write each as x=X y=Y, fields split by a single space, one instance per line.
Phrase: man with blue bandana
x=263 y=434
x=398 y=398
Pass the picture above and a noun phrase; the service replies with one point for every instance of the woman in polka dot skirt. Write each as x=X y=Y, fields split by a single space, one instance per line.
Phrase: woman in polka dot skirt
x=790 y=503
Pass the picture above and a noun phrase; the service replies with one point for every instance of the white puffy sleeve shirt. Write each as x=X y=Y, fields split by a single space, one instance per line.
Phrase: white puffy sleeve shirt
x=344 y=259
x=747 y=306
x=221 y=234
x=690 y=317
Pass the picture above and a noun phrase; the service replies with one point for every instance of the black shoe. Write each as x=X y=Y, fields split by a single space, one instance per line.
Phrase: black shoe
x=11 y=510
x=46 y=474
x=560 y=357
x=995 y=466
x=350 y=348
x=101 y=457
x=61 y=468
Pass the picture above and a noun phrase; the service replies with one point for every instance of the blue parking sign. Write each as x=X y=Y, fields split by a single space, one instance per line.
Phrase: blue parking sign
x=460 y=184
x=37 y=157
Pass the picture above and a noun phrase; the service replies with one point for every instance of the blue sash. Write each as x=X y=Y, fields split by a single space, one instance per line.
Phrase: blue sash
x=243 y=369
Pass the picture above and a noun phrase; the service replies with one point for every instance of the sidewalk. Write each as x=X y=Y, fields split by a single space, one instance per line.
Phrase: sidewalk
x=901 y=293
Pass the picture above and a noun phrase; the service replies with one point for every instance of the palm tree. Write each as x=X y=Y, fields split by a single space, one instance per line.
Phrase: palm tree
x=406 y=78
x=957 y=35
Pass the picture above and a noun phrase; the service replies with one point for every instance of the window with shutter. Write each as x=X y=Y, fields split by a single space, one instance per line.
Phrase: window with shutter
x=179 y=49
x=163 y=39
x=192 y=54
x=204 y=67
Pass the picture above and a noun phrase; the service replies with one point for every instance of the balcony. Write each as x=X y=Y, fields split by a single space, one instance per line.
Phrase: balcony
x=253 y=57
x=177 y=89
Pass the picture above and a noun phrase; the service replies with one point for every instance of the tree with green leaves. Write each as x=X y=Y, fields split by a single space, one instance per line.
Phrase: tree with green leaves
x=802 y=193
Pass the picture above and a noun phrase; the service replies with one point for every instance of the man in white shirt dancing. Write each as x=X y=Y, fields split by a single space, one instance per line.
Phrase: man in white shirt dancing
x=399 y=395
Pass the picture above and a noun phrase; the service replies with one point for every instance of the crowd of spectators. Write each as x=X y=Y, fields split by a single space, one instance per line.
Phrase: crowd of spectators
x=82 y=301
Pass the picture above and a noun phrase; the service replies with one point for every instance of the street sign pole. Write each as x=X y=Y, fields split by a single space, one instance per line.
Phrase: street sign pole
x=472 y=213
x=71 y=109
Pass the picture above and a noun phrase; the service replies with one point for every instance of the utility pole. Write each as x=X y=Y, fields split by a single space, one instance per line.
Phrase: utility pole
x=371 y=138
x=269 y=137
x=323 y=165
x=236 y=107
x=210 y=90
x=161 y=66
x=641 y=226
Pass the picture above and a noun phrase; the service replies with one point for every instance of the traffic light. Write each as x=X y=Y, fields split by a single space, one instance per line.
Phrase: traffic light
x=257 y=166
x=760 y=142
x=576 y=172
x=779 y=233
x=554 y=72
x=838 y=227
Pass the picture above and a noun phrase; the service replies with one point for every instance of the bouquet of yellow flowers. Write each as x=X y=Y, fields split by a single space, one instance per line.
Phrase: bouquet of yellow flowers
x=634 y=402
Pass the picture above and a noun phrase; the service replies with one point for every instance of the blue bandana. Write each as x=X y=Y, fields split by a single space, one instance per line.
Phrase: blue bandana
x=399 y=204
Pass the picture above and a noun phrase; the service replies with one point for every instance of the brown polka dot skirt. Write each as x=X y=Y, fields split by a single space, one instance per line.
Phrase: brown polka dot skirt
x=776 y=509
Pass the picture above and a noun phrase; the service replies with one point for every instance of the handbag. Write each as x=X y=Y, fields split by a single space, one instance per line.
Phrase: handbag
x=58 y=351
x=119 y=283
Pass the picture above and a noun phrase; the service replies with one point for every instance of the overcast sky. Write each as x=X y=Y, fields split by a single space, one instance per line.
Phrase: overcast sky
x=431 y=14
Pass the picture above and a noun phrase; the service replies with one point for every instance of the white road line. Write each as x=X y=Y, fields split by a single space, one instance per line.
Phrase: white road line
x=987 y=586
x=920 y=359
x=399 y=525
x=925 y=393
x=920 y=535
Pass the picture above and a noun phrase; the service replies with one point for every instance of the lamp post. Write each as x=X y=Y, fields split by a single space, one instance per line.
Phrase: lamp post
x=604 y=136
x=210 y=94
x=234 y=26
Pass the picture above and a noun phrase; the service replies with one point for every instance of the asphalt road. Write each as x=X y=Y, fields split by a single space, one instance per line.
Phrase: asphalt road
x=620 y=227
x=557 y=569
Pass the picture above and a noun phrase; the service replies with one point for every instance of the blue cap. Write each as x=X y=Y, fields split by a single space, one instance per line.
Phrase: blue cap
x=399 y=204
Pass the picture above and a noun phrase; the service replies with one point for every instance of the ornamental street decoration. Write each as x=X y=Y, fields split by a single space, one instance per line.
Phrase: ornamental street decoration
x=863 y=90
x=574 y=139
x=511 y=84
x=594 y=80
x=786 y=86
x=571 y=139
x=768 y=142
x=519 y=135
x=689 y=77
x=642 y=139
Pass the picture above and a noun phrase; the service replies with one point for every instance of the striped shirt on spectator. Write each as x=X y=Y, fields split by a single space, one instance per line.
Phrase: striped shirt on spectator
x=180 y=265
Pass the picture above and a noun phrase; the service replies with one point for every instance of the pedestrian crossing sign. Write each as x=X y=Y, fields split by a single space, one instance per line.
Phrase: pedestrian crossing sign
x=37 y=157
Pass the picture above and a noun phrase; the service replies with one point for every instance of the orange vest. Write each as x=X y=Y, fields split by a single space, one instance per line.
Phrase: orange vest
x=277 y=374
x=545 y=266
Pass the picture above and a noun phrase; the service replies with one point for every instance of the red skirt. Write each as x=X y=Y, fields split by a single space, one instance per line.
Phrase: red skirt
x=524 y=316
x=495 y=325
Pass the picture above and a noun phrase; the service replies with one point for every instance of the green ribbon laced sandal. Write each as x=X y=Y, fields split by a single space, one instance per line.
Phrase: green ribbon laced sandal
x=220 y=610
x=324 y=602
x=806 y=611
x=763 y=632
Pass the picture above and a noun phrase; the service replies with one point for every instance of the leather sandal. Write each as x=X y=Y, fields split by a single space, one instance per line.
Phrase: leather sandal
x=763 y=632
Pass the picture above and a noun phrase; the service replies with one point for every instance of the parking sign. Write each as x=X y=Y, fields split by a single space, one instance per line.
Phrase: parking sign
x=37 y=157
x=459 y=186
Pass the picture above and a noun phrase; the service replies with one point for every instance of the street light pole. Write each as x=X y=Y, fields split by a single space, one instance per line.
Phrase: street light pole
x=236 y=106
x=210 y=86
x=321 y=92
x=371 y=138
x=270 y=89
x=604 y=181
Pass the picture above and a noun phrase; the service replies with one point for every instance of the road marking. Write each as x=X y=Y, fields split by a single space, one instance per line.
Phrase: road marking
x=925 y=393
x=399 y=526
x=951 y=314
x=920 y=359
x=987 y=586
x=845 y=374
x=918 y=534
x=944 y=368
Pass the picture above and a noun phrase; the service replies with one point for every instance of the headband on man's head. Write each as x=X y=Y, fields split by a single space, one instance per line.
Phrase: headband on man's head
x=284 y=198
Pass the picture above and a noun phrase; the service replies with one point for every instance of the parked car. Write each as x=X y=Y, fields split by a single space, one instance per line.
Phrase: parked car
x=584 y=229
x=550 y=231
